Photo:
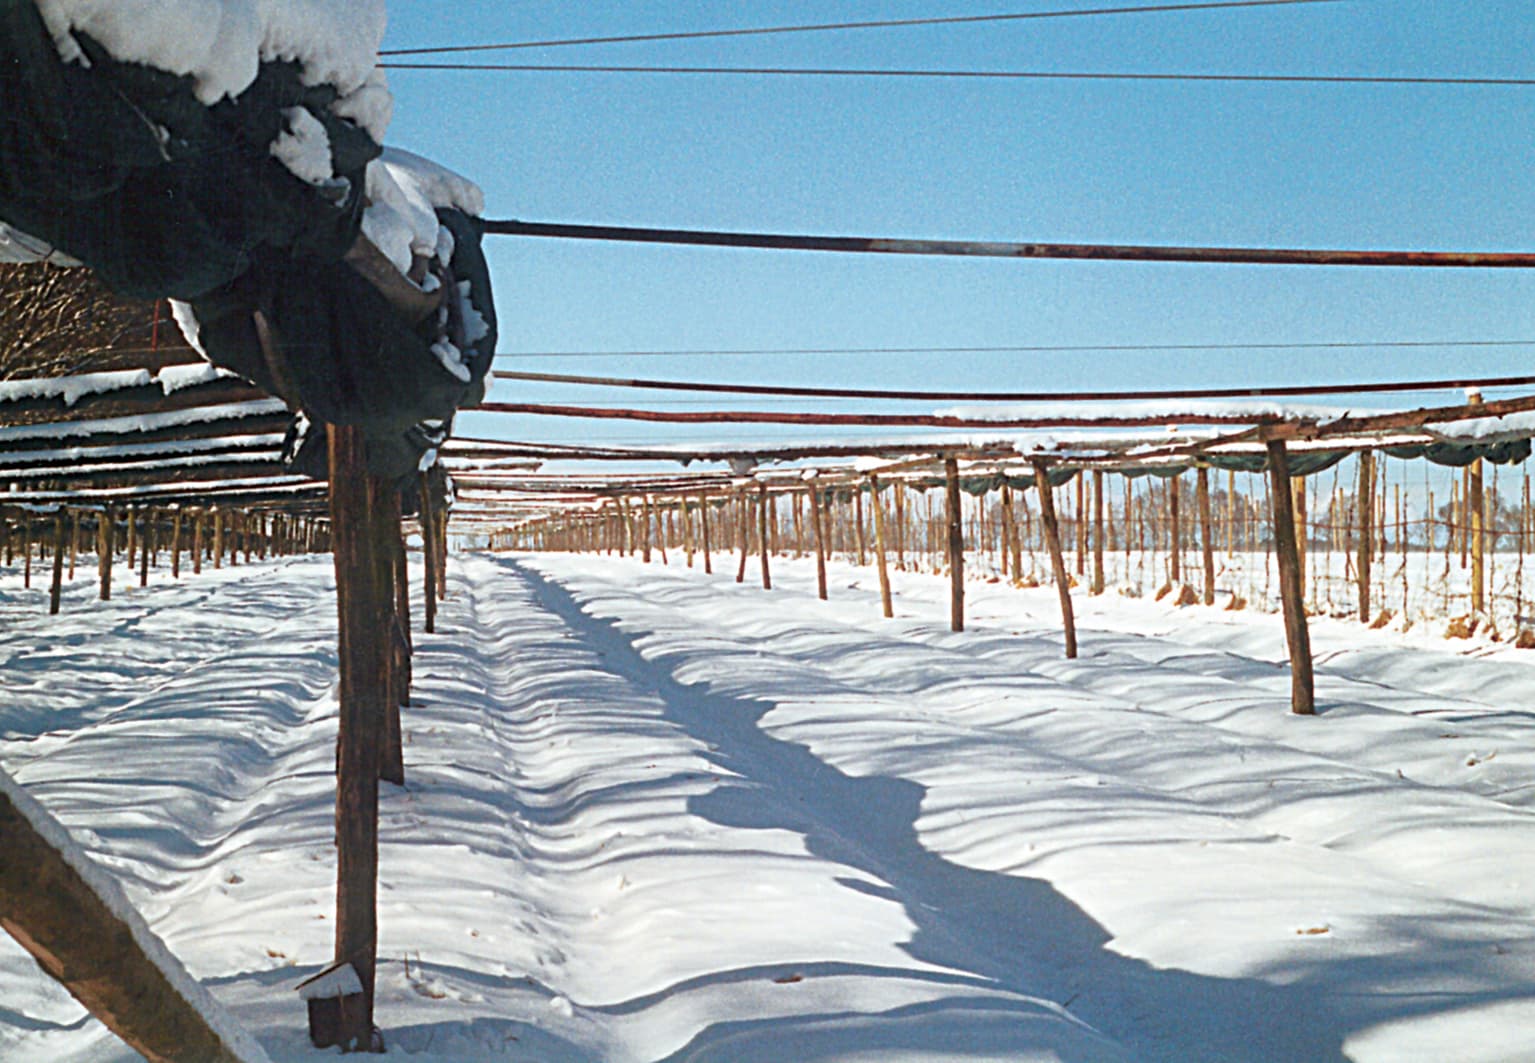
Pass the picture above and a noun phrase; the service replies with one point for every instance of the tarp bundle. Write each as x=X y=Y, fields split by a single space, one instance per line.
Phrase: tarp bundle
x=227 y=154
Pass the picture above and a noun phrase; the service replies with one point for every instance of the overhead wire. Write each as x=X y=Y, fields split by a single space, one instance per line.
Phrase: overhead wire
x=824 y=27
x=1093 y=348
x=984 y=75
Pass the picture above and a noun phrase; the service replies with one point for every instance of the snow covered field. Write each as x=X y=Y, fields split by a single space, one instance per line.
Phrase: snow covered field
x=657 y=815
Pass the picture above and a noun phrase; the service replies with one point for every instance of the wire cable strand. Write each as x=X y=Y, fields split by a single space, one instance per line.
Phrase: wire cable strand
x=1085 y=348
x=984 y=75
x=825 y=27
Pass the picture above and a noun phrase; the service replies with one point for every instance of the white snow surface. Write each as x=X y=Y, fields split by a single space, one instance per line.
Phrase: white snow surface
x=657 y=815
x=220 y=43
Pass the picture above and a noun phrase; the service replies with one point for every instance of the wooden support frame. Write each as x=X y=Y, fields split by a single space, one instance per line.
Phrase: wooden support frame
x=1057 y=558
x=362 y=605
x=1291 y=589
x=879 y=548
x=77 y=937
x=703 y=529
x=1175 y=523
x=56 y=587
x=743 y=526
x=1206 y=532
x=956 y=544
x=1098 y=536
x=106 y=546
x=762 y=532
x=820 y=541
x=428 y=518
x=1365 y=554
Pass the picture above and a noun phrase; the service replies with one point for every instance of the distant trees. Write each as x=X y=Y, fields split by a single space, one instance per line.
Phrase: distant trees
x=57 y=321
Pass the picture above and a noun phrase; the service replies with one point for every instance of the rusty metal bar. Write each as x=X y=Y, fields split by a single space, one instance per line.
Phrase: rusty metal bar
x=1252 y=256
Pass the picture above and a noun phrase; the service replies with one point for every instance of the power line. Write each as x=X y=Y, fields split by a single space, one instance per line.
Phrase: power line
x=1088 y=348
x=1285 y=391
x=1268 y=256
x=985 y=75
x=836 y=26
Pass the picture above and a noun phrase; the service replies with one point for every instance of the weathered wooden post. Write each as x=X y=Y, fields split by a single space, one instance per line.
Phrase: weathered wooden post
x=74 y=541
x=1291 y=590
x=762 y=530
x=1302 y=530
x=390 y=556
x=428 y=520
x=1097 y=587
x=879 y=548
x=362 y=606
x=1206 y=531
x=1174 y=518
x=703 y=530
x=197 y=542
x=645 y=530
x=106 y=546
x=26 y=550
x=1057 y=559
x=176 y=544
x=1366 y=505
x=56 y=591
x=1081 y=522
x=862 y=539
x=743 y=529
x=956 y=545
x=820 y=541
x=146 y=548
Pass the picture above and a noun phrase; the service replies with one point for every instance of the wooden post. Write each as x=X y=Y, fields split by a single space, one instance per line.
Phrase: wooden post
x=146 y=526
x=1173 y=504
x=858 y=523
x=389 y=551
x=88 y=944
x=762 y=531
x=106 y=546
x=218 y=538
x=1477 y=526
x=879 y=548
x=820 y=541
x=1206 y=531
x=1291 y=589
x=428 y=520
x=74 y=541
x=703 y=528
x=176 y=544
x=362 y=606
x=1097 y=587
x=1004 y=552
x=57 y=589
x=26 y=550
x=645 y=529
x=1057 y=559
x=956 y=546
x=1366 y=506
x=687 y=529
x=744 y=529
x=197 y=543
x=1080 y=515
x=1302 y=530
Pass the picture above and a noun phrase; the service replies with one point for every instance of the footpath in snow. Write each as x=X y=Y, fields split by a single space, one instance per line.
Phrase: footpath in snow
x=654 y=815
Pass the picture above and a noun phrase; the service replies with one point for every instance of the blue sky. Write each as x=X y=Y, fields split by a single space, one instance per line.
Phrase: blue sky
x=1270 y=165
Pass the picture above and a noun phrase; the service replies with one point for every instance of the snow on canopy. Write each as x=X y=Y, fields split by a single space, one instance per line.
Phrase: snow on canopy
x=228 y=154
